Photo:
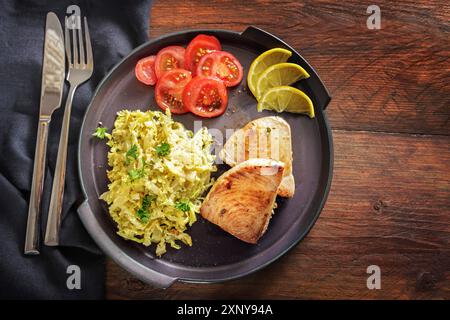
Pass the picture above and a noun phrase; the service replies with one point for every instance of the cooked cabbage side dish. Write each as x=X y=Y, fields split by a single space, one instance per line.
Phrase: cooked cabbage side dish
x=159 y=172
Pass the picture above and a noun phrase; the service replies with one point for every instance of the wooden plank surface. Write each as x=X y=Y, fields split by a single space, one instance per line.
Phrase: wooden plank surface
x=390 y=197
x=388 y=206
x=396 y=79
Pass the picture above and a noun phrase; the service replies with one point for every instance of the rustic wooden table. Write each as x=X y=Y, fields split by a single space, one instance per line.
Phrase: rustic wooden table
x=390 y=199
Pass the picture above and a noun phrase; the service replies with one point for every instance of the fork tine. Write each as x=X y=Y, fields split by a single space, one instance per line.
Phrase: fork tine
x=75 y=42
x=89 y=58
x=80 y=40
x=67 y=41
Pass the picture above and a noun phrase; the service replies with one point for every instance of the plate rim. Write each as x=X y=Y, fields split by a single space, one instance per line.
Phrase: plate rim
x=150 y=275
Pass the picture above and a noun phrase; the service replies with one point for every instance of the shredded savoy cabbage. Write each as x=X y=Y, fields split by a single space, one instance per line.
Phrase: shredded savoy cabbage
x=159 y=172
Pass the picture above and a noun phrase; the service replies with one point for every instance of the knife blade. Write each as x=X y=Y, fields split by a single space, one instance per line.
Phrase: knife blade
x=53 y=72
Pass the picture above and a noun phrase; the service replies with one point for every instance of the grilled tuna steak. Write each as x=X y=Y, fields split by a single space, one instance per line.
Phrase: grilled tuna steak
x=242 y=199
x=268 y=137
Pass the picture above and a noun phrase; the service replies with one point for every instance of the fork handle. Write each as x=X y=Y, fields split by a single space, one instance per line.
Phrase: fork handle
x=56 y=199
x=34 y=208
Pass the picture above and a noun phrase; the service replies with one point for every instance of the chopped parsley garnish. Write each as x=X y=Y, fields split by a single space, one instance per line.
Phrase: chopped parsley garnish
x=143 y=213
x=138 y=173
x=163 y=149
x=100 y=132
x=183 y=206
x=131 y=154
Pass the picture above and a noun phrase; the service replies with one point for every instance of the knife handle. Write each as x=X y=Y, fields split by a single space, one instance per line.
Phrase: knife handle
x=34 y=208
x=56 y=199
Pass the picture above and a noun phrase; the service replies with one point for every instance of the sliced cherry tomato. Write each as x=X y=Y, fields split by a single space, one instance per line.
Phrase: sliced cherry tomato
x=205 y=96
x=169 y=58
x=222 y=65
x=145 y=71
x=198 y=47
x=169 y=90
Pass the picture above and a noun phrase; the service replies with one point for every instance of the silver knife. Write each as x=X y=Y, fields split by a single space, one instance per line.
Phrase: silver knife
x=53 y=72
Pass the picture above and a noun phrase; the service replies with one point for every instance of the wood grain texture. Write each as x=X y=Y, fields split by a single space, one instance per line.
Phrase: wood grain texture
x=396 y=79
x=388 y=206
x=390 y=198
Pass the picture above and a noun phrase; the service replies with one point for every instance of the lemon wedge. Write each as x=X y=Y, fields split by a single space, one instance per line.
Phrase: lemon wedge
x=285 y=98
x=280 y=74
x=262 y=62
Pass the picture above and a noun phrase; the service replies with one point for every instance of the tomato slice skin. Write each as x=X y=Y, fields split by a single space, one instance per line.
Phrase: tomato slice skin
x=169 y=58
x=169 y=90
x=206 y=96
x=222 y=65
x=145 y=70
x=198 y=47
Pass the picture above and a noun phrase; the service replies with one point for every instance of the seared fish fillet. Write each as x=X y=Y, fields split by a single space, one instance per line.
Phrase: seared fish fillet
x=268 y=137
x=242 y=199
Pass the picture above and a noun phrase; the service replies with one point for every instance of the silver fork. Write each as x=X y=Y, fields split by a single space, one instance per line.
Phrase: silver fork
x=80 y=70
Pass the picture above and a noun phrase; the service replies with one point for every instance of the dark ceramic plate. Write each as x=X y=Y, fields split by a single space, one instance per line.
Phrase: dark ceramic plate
x=215 y=255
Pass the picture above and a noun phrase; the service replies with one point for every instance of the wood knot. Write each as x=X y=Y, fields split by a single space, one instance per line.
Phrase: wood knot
x=379 y=206
x=426 y=281
x=133 y=284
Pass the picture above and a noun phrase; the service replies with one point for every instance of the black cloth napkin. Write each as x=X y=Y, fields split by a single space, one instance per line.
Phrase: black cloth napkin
x=116 y=27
